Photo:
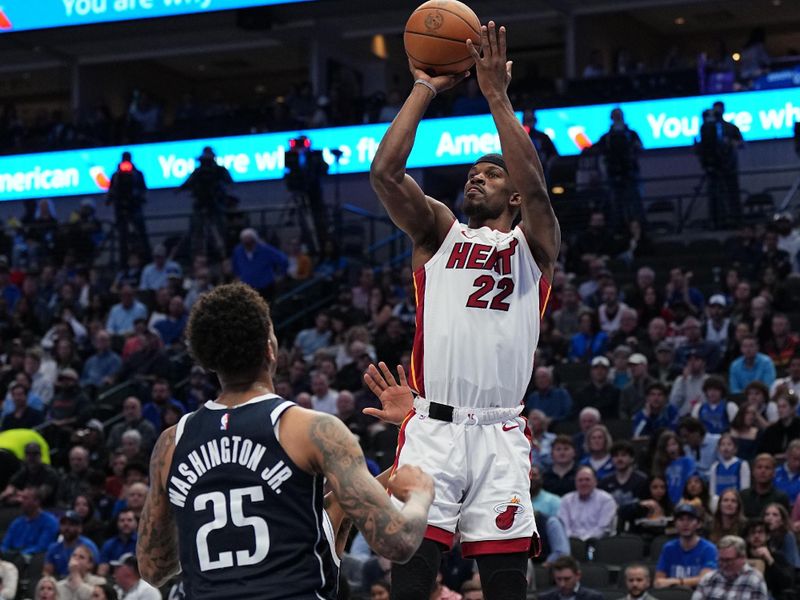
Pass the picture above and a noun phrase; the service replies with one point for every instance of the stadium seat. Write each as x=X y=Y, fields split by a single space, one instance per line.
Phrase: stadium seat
x=542 y=577
x=618 y=550
x=672 y=594
x=595 y=575
x=610 y=593
x=571 y=373
x=577 y=548
x=656 y=545
x=620 y=429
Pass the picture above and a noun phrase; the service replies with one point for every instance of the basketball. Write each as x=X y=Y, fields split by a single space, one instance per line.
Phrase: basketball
x=436 y=33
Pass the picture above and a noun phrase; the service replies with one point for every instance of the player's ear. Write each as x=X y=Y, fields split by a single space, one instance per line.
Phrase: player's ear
x=515 y=201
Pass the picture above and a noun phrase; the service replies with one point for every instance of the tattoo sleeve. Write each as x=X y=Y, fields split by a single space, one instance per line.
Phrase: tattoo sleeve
x=394 y=534
x=157 y=546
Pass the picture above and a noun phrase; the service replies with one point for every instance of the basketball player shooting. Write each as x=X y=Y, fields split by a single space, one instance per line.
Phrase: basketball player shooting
x=236 y=497
x=480 y=291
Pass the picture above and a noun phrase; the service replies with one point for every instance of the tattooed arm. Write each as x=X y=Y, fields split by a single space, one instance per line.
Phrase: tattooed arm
x=157 y=546
x=394 y=534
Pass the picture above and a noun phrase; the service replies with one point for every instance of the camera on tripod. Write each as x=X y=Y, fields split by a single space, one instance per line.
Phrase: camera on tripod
x=304 y=167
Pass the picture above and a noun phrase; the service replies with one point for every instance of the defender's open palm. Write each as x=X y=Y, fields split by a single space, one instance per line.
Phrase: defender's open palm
x=494 y=71
x=396 y=398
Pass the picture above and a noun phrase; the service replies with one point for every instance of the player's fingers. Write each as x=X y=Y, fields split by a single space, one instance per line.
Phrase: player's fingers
x=501 y=41
x=493 y=38
x=401 y=374
x=509 y=64
x=373 y=412
x=387 y=374
x=473 y=50
x=485 y=41
x=373 y=378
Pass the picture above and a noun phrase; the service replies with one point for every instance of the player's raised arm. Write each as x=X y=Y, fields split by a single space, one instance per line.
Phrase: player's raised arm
x=424 y=219
x=538 y=219
x=392 y=533
x=157 y=545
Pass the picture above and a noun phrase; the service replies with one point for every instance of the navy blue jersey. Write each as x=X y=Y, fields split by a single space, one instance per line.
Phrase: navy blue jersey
x=251 y=524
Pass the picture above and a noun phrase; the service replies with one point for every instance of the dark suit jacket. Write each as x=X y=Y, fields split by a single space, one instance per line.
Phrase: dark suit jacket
x=584 y=593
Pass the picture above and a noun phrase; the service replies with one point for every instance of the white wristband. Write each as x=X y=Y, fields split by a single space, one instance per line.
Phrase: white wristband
x=427 y=84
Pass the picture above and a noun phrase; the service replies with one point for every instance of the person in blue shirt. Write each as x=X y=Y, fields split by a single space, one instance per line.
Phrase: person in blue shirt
x=598 y=455
x=122 y=543
x=156 y=275
x=699 y=444
x=715 y=412
x=730 y=471
x=787 y=476
x=656 y=414
x=590 y=341
x=553 y=401
x=34 y=530
x=751 y=366
x=257 y=263
x=684 y=561
x=675 y=467
x=170 y=330
x=123 y=315
x=101 y=367
x=56 y=561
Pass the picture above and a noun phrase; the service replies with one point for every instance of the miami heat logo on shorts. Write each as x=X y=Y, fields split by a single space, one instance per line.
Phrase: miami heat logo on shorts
x=223 y=422
x=434 y=21
x=506 y=512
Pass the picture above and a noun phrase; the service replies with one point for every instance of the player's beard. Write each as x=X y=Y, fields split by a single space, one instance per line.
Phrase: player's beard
x=481 y=211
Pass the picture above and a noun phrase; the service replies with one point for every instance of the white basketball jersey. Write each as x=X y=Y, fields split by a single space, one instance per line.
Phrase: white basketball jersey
x=479 y=303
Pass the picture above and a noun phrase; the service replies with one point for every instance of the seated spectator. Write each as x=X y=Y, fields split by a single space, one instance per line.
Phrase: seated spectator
x=587 y=512
x=734 y=576
x=670 y=463
x=698 y=444
x=596 y=447
x=70 y=406
x=656 y=414
x=588 y=418
x=76 y=481
x=762 y=491
x=628 y=332
x=79 y=583
x=123 y=315
x=687 y=391
x=23 y=416
x=678 y=290
x=756 y=394
x=559 y=479
x=611 y=310
x=625 y=483
x=620 y=374
x=590 y=341
x=567 y=576
x=566 y=318
x=257 y=263
x=33 y=401
x=131 y=446
x=598 y=393
x=777 y=436
x=47 y=589
x=156 y=275
x=730 y=471
x=543 y=501
x=541 y=439
x=172 y=327
x=56 y=560
x=778 y=572
x=632 y=397
x=695 y=493
x=160 y=399
x=745 y=433
x=787 y=476
x=715 y=411
x=718 y=328
x=728 y=517
x=752 y=365
x=324 y=398
x=308 y=341
x=789 y=383
x=553 y=401
x=651 y=515
x=91 y=519
x=9 y=578
x=637 y=582
x=656 y=333
x=101 y=367
x=684 y=561
x=664 y=369
x=553 y=539
x=34 y=530
x=123 y=542
x=32 y=473
x=133 y=418
x=693 y=341
x=779 y=530
x=782 y=344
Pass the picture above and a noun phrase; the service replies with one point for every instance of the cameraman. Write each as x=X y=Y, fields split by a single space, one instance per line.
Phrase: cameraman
x=718 y=151
x=208 y=184
x=621 y=147
x=304 y=171
x=127 y=193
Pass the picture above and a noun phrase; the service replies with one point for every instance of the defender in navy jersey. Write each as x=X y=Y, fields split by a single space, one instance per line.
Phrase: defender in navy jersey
x=236 y=498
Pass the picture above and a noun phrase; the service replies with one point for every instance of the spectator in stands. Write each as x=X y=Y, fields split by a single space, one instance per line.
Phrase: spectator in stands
x=777 y=436
x=620 y=374
x=587 y=418
x=56 y=560
x=637 y=582
x=634 y=293
x=773 y=257
x=626 y=483
x=126 y=575
x=552 y=538
x=133 y=418
x=23 y=416
x=127 y=192
x=171 y=328
x=751 y=366
x=47 y=589
x=123 y=542
x=324 y=398
x=543 y=501
x=156 y=274
x=32 y=473
x=594 y=246
x=779 y=530
x=678 y=289
x=34 y=530
x=684 y=561
x=695 y=493
x=656 y=336
x=778 y=572
x=122 y=316
x=729 y=517
x=566 y=318
x=153 y=411
x=729 y=471
x=787 y=476
x=101 y=367
x=693 y=341
x=258 y=264
x=782 y=345
x=611 y=310
x=791 y=382
x=756 y=395
x=587 y=512
x=698 y=443
x=541 y=439
x=361 y=292
x=670 y=463
x=559 y=479
x=715 y=411
x=762 y=491
x=75 y=482
x=664 y=369
x=597 y=443
x=688 y=389
x=80 y=582
x=632 y=396
x=553 y=401
x=717 y=328
x=628 y=332
x=308 y=341
x=590 y=341
x=656 y=414
x=599 y=393
x=9 y=578
x=567 y=576
x=745 y=433
x=131 y=446
x=734 y=578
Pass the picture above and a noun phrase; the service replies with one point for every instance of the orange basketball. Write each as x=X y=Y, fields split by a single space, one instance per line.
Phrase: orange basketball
x=436 y=34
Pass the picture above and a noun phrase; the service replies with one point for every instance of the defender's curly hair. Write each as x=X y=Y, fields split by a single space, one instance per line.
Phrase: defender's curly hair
x=228 y=331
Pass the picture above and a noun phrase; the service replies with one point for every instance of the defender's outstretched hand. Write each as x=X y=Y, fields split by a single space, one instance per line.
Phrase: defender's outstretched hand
x=494 y=71
x=397 y=400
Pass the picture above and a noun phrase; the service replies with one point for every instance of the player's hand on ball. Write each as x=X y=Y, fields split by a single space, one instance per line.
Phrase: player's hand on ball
x=409 y=479
x=494 y=71
x=440 y=82
x=396 y=398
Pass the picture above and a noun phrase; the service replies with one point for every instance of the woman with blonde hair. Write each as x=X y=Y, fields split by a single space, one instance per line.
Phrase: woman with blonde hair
x=729 y=517
x=597 y=445
x=47 y=589
x=79 y=584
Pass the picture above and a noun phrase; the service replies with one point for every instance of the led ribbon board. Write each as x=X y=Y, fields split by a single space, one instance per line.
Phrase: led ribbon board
x=667 y=123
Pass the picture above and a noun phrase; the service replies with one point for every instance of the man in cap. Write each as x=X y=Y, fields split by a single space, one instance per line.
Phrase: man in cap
x=599 y=392
x=156 y=274
x=56 y=561
x=632 y=396
x=717 y=328
x=130 y=582
x=70 y=406
x=693 y=340
x=480 y=281
x=33 y=472
x=684 y=561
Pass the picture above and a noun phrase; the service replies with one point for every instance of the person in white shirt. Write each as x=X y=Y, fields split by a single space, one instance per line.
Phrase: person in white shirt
x=587 y=512
x=611 y=310
x=717 y=328
x=324 y=398
x=130 y=585
x=791 y=381
x=687 y=391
